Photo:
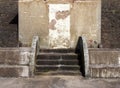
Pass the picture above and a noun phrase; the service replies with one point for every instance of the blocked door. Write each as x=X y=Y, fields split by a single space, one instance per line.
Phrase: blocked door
x=59 y=25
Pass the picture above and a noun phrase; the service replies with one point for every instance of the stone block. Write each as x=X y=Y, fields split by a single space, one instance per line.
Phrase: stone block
x=14 y=71
x=104 y=56
x=14 y=56
x=105 y=71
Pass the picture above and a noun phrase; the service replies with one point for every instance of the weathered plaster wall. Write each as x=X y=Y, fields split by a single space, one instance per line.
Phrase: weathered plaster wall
x=33 y=20
x=14 y=62
x=110 y=23
x=85 y=20
x=104 y=62
x=8 y=32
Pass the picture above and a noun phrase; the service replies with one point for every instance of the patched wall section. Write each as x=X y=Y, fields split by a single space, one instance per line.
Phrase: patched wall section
x=85 y=21
x=59 y=25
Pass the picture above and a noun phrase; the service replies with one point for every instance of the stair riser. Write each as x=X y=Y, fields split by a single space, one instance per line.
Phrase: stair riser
x=62 y=73
x=57 y=57
x=58 y=50
x=47 y=69
x=57 y=62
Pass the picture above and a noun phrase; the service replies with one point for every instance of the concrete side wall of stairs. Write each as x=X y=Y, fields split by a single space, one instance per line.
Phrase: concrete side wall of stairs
x=104 y=63
x=14 y=62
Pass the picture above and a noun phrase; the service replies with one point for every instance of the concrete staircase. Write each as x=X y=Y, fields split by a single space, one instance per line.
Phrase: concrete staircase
x=57 y=62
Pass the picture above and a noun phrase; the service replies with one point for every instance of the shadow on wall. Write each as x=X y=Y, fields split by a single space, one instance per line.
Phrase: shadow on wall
x=8 y=23
x=79 y=51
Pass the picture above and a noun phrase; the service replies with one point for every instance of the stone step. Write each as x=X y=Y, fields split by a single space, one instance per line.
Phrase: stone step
x=105 y=71
x=65 y=72
x=47 y=68
x=57 y=56
x=56 y=62
x=70 y=50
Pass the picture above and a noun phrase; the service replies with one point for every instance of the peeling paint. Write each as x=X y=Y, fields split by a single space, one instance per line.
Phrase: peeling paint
x=59 y=29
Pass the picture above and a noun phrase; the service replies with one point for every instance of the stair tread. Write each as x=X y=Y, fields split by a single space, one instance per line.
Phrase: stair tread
x=52 y=53
x=59 y=72
x=57 y=65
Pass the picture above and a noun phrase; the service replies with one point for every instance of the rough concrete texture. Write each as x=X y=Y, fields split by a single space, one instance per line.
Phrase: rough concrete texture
x=85 y=20
x=110 y=23
x=104 y=56
x=58 y=82
x=14 y=62
x=8 y=31
x=15 y=56
x=104 y=71
x=104 y=62
x=14 y=71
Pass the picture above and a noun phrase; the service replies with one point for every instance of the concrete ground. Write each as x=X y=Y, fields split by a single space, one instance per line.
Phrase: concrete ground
x=58 y=82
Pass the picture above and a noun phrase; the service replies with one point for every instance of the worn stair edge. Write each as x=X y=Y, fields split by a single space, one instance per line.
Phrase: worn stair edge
x=57 y=65
x=56 y=54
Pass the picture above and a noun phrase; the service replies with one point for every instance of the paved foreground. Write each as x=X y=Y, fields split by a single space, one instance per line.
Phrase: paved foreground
x=58 y=82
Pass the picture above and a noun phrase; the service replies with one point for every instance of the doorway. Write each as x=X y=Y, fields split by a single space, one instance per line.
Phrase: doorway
x=59 y=25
